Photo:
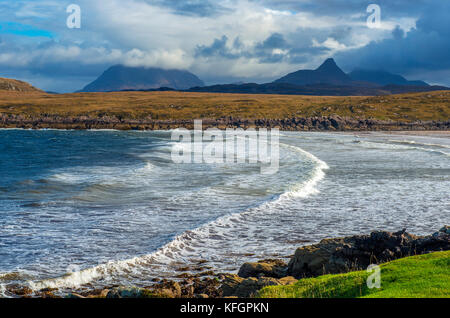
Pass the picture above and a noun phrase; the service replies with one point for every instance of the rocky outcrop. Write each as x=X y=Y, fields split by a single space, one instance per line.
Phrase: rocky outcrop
x=341 y=255
x=268 y=268
x=188 y=288
x=330 y=256
x=324 y=123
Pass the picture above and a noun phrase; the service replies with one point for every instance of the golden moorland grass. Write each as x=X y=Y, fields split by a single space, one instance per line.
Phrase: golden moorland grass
x=188 y=106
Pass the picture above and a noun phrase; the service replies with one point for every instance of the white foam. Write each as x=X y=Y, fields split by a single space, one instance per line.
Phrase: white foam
x=415 y=143
x=184 y=246
x=308 y=187
x=400 y=146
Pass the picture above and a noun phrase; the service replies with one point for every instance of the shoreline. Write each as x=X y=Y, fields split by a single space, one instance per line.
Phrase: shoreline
x=325 y=123
x=209 y=282
x=171 y=110
x=328 y=257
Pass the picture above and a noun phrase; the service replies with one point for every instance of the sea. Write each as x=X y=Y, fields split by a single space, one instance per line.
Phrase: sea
x=91 y=209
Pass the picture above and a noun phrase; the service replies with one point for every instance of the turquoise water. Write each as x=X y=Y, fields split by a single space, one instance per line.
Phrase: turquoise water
x=111 y=207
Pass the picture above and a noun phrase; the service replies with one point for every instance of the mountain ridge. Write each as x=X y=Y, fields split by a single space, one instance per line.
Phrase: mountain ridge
x=327 y=73
x=382 y=78
x=329 y=79
x=120 y=77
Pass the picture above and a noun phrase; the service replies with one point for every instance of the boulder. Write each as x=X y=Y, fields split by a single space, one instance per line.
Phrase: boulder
x=207 y=286
x=445 y=230
x=267 y=268
x=126 y=292
x=230 y=283
x=167 y=289
x=19 y=290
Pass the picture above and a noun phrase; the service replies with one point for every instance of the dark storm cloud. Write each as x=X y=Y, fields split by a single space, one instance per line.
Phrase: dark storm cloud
x=275 y=41
x=218 y=48
x=345 y=7
x=273 y=49
x=425 y=47
x=225 y=48
x=200 y=8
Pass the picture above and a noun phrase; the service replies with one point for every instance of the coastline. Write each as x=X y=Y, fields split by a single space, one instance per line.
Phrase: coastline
x=203 y=280
x=171 y=110
x=329 y=124
x=328 y=257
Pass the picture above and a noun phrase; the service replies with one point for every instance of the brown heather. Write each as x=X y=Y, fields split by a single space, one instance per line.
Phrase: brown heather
x=183 y=106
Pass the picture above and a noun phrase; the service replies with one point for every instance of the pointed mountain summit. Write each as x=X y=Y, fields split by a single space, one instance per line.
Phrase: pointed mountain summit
x=329 y=66
x=327 y=73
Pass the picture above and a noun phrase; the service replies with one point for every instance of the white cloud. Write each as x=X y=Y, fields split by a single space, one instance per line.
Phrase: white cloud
x=177 y=58
x=141 y=33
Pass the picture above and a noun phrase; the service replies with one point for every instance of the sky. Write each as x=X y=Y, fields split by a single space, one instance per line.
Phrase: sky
x=223 y=41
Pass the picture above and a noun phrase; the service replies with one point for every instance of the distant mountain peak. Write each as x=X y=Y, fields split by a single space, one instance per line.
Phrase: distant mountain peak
x=121 y=77
x=327 y=73
x=329 y=65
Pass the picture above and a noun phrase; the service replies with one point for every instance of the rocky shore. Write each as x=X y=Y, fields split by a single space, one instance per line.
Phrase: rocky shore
x=330 y=256
x=324 y=123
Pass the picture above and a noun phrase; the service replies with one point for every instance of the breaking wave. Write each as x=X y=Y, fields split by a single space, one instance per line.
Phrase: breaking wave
x=190 y=244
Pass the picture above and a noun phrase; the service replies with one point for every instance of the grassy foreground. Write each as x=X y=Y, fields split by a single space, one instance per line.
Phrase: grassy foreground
x=189 y=106
x=424 y=276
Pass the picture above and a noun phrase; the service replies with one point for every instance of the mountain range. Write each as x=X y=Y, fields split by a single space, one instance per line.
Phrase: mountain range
x=327 y=79
x=329 y=73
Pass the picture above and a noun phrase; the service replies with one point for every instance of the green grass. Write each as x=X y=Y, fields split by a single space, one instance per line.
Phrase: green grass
x=424 y=276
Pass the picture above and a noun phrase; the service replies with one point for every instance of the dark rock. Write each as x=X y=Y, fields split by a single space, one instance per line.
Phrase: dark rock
x=267 y=268
x=19 y=290
x=167 y=289
x=126 y=292
x=358 y=252
x=208 y=286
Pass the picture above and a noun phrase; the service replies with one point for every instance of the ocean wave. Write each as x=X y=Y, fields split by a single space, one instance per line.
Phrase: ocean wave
x=308 y=187
x=412 y=142
x=402 y=146
x=190 y=244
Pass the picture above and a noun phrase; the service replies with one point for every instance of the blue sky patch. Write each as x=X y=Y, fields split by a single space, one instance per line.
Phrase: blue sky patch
x=23 y=30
